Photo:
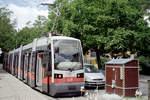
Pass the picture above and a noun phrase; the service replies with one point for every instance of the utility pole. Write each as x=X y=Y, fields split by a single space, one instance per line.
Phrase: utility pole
x=57 y=13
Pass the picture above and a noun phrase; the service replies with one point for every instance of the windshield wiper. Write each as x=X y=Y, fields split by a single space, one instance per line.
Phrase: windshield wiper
x=70 y=69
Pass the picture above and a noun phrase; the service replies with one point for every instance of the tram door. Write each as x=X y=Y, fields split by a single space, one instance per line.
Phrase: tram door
x=24 y=67
x=39 y=70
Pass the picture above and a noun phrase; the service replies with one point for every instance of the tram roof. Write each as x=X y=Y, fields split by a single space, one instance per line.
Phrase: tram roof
x=118 y=61
x=64 y=37
x=43 y=41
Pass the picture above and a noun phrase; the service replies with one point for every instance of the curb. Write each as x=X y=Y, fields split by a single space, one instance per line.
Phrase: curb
x=143 y=81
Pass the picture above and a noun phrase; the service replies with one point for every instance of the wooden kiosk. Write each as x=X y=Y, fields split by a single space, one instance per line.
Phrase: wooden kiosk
x=122 y=76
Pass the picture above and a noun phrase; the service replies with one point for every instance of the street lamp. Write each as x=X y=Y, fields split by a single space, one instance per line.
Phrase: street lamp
x=57 y=13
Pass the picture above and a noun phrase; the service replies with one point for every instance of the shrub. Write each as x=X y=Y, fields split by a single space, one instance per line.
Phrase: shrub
x=144 y=63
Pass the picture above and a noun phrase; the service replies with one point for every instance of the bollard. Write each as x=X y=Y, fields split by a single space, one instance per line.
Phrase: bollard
x=82 y=90
x=148 y=89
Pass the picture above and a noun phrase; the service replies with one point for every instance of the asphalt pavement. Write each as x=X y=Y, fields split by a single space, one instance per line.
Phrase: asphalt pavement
x=12 y=88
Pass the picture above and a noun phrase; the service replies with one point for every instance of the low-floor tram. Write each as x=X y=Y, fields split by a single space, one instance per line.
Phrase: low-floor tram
x=53 y=65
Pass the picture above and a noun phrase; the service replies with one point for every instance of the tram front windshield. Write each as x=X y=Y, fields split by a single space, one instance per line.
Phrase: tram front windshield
x=67 y=55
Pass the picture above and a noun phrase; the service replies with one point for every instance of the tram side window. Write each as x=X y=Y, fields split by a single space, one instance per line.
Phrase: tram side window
x=29 y=60
x=26 y=62
x=14 y=61
x=49 y=71
x=22 y=61
x=33 y=61
x=10 y=61
x=50 y=63
x=15 y=64
x=17 y=61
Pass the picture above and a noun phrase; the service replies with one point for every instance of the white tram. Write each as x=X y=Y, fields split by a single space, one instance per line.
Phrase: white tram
x=53 y=65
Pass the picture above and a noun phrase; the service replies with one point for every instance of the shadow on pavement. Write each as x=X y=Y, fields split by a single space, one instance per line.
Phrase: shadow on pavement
x=93 y=88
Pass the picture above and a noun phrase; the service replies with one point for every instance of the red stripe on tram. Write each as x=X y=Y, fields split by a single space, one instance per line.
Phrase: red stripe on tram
x=69 y=80
x=45 y=80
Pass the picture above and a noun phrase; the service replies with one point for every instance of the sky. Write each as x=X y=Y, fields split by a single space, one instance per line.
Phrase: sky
x=25 y=10
x=28 y=10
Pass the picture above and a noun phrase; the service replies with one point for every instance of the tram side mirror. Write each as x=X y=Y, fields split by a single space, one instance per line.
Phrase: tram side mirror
x=57 y=50
x=49 y=46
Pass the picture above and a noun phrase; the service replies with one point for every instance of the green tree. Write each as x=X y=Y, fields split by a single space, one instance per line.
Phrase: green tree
x=103 y=25
x=7 y=30
x=27 y=34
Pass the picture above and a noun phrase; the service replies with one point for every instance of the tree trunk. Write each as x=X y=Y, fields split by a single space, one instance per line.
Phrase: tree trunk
x=98 y=59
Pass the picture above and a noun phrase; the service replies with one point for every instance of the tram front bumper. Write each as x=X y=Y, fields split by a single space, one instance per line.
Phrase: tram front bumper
x=67 y=88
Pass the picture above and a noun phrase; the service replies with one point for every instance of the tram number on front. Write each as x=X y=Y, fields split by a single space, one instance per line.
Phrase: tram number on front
x=69 y=79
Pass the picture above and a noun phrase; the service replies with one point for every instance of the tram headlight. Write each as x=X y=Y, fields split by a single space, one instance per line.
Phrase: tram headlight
x=58 y=75
x=80 y=75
